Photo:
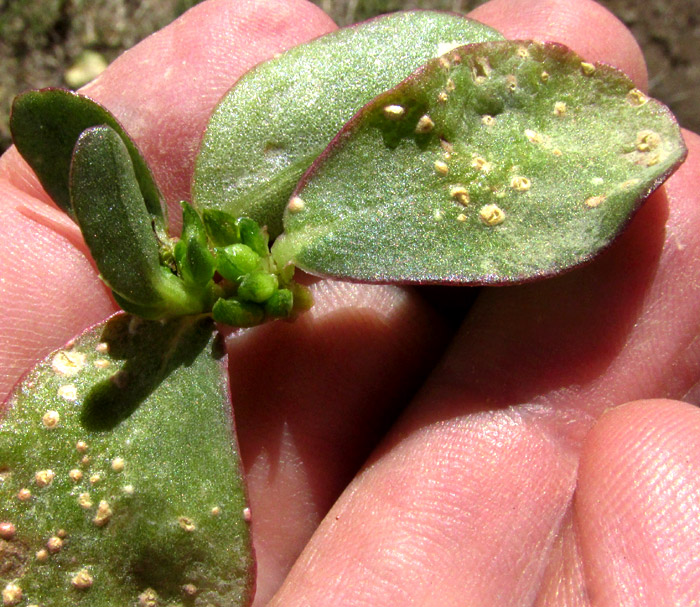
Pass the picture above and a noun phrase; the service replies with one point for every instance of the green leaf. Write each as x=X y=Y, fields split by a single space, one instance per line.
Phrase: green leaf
x=221 y=227
x=236 y=260
x=110 y=210
x=194 y=259
x=237 y=313
x=120 y=473
x=281 y=115
x=499 y=163
x=45 y=127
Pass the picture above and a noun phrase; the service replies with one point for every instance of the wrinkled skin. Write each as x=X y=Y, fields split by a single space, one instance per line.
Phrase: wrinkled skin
x=542 y=450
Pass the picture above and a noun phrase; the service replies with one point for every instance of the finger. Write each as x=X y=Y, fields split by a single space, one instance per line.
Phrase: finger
x=637 y=505
x=588 y=28
x=162 y=90
x=338 y=375
x=313 y=398
x=469 y=492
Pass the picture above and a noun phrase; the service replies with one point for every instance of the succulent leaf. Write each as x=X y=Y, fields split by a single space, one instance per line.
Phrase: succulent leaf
x=497 y=163
x=194 y=259
x=282 y=114
x=121 y=480
x=45 y=127
x=117 y=227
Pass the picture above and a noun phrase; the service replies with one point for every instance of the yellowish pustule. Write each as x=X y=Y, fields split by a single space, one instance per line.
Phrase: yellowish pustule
x=441 y=167
x=118 y=464
x=7 y=531
x=68 y=362
x=50 y=419
x=393 y=112
x=425 y=124
x=54 y=544
x=84 y=501
x=186 y=523
x=491 y=215
x=43 y=478
x=520 y=183
x=460 y=194
x=636 y=98
x=595 y=201
x=559 y=108
x=11 y=595
x=588 y=69
x=295 y=205
x=103 y=514
x=82 y=580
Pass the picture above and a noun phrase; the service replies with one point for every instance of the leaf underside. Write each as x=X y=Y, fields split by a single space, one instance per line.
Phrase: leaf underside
x=281 y=115
x=534 y=163
x=120 y=473
x=46 y=125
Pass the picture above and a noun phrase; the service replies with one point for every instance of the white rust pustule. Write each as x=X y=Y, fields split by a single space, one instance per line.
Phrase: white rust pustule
x=68 y=362
x=68 y=392
x=647 y=140
x=186 y=523
x=424 y=125
x=148 y=598
x=588 y=69
x=118 y=464
x=82 y=580
x=50 y=419
x=636 y=98
x=441 y=167
x=533 y=136
x=43 y=478
x=594 y=201
x=295 y=204
x=54 y=544
x=559 y=108
x=103 y=514
x=492 y=215
x=459 y=193
x=11 y=595
x=520 y=183
x=7 y=530
x=393 y=111
x=85 y=501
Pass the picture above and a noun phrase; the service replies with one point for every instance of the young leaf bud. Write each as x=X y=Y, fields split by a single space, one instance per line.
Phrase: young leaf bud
x=235 y=261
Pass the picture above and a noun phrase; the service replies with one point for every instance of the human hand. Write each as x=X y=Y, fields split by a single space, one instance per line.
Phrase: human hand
x=504 y=481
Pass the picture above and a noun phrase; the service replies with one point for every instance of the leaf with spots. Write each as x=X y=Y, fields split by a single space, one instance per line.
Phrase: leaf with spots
x=120 y=475
x=497 y=163
x=281 y=115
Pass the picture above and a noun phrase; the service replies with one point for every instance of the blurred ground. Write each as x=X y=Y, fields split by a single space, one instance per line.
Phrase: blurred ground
x=63 y=42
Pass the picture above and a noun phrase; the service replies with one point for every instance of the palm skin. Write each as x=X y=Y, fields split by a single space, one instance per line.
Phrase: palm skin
x=396 y=457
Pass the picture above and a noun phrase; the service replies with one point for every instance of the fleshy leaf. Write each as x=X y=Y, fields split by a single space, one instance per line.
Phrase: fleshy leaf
x=110 y=210
x=45 y=127
x=497 y=163
x=281 y=115
x=120 y=475
x=194 y=259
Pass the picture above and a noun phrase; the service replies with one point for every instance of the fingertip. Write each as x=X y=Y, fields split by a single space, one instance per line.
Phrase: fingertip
x=585 y=26
x=637 y=503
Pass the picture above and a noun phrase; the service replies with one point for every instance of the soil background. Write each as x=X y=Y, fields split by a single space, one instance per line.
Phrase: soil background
x=67 y=42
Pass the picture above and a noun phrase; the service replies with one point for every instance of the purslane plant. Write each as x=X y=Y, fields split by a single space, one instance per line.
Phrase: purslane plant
x=465 y=159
